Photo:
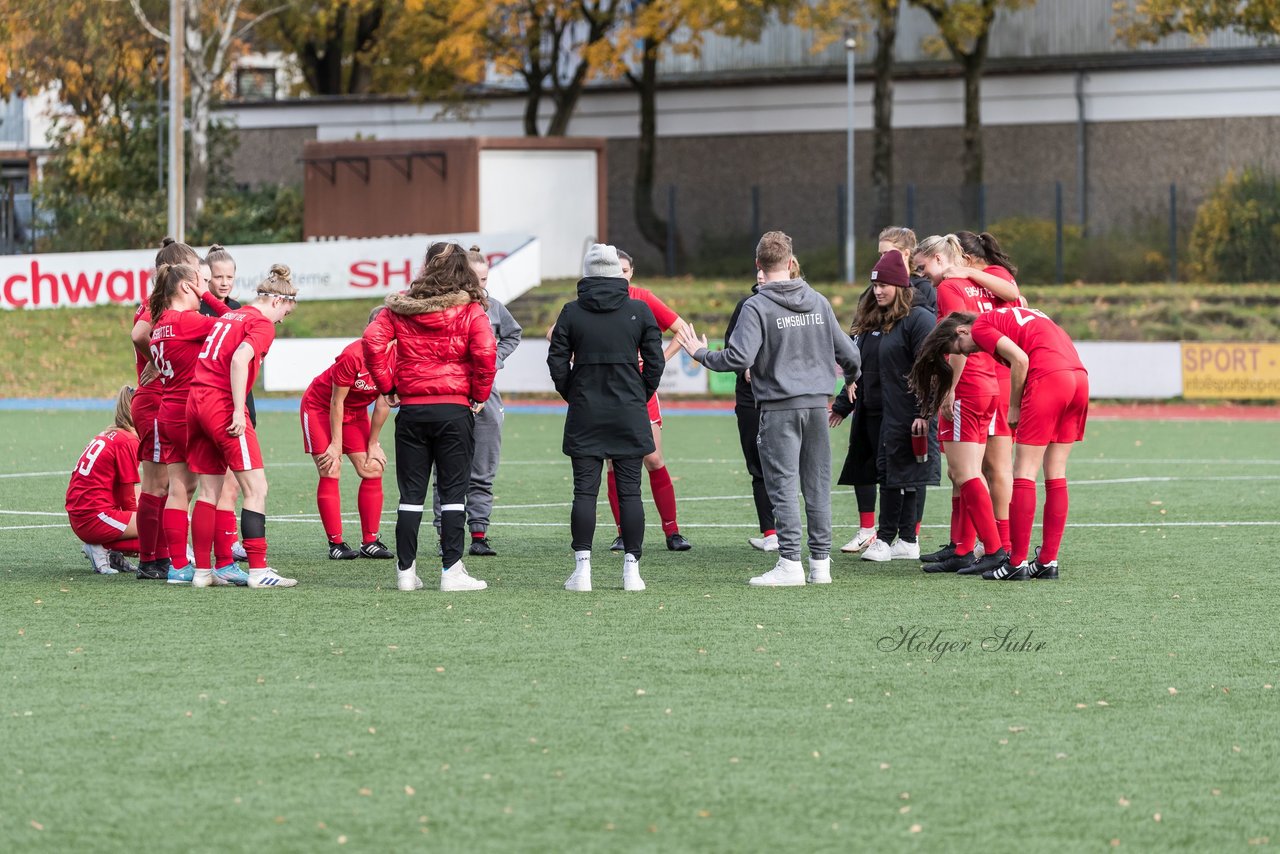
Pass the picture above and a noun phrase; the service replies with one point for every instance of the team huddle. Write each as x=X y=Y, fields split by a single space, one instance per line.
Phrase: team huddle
x=951 y=359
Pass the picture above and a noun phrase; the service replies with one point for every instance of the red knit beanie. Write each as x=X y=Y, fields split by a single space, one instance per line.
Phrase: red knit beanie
x=891 y=270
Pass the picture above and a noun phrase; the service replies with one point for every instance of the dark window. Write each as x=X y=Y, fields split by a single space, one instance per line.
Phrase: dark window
x=256 y=84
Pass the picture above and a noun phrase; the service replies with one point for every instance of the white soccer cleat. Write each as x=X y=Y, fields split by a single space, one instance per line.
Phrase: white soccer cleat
x=764 y=544
x=820 y=570
x=99 y=559
x=879 y=550
x=902 y=550
x=455 y=580
x=785 y=573
x=238 y=552
x=631 y=579
x=865 y=537
x=203 y=578
x=407 y=579
x=979 y=550
x=580 y=581
x=269 y=578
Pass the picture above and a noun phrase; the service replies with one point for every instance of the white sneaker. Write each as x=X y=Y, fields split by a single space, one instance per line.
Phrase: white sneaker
x=764 y=544
x=99 y=559
x=785 y=573
x=580 y=581
x=269 y=578
x=631 y=579
x=820 y=571
x=407 y=579
x=902 y=550
x=879 y=550
x=865 y=537
x=238 y=552
x=455 y=580
x=203 y=578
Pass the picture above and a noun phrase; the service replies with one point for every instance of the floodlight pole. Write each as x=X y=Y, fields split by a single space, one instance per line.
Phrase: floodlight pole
x=177 y=59
x=850 y=47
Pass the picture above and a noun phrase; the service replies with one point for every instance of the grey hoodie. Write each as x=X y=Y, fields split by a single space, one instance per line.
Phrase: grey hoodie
x=788 y=336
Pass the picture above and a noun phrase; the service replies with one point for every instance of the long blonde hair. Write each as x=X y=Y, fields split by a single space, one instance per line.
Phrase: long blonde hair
x=946 y=245
x=124 y=409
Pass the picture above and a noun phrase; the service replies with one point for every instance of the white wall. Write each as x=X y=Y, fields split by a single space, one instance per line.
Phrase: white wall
x=551 y=194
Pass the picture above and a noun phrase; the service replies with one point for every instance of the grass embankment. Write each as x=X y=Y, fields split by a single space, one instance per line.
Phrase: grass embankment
x=85 y=352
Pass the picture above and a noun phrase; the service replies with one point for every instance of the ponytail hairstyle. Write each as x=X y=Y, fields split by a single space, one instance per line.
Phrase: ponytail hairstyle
x=278 y=283
x=946 y=245
x=124 y=409
x=931 y=375
x=447 y=271
x=169 y=280
x=873 y=317
x=793 y=268
x=172 y=252
x=217 y=254
x=901 y=238
x=984 y=247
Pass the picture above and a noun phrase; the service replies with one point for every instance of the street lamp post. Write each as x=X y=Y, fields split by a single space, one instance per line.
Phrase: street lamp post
x=850 y=46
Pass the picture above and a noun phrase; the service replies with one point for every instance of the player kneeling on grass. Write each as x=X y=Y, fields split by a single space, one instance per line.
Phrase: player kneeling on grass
x=220 y=435
x=102 y=497
x=788 y=335
x=442 y=374
x=1048 y=408
x=335 y=421
x=606 y=361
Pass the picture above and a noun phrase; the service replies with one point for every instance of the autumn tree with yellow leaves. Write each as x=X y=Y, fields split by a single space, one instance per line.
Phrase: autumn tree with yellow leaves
x=1151 y=20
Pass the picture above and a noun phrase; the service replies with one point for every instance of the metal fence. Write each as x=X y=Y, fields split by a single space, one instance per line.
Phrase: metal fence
x=16 y=231
x=1137 y=233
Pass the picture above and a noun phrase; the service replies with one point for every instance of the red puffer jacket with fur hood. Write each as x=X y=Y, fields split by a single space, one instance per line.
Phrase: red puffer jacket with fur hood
x=445 y=349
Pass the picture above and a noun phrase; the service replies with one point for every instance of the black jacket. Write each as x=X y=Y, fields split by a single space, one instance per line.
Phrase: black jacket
x=742 y=396
x=595 y=362
x=926 y=295
x=896 y=465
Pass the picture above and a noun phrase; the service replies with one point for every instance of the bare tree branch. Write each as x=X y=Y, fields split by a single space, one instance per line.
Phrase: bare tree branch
x=142 y=19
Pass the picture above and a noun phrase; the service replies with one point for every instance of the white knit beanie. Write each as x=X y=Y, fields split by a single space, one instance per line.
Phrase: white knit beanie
x=602 y=261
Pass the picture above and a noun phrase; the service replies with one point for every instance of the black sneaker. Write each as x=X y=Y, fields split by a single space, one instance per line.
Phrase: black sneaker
x=1042 y=571
x=120 y=563
x=677 y=543
x=955 y=563
x=342 y=551
x=154 y=570
x=480 y=547
x=1007 y=572
x=617 y=545
x=947 y=551
x=986 y=563
x=376 y=550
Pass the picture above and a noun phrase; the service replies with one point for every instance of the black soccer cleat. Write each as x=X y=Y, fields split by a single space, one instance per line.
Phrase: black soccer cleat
x=955 y=563
x=376 y=550
x=617 y=545
x=947 y=551
x=1007 y=572
x=986 y=563
x=1042 y=571
x=342 y=551
x=480 y=547
x=677 y=543
x=154 y=570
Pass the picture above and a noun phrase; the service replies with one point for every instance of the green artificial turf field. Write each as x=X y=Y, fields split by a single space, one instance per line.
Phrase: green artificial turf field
x=700 y=714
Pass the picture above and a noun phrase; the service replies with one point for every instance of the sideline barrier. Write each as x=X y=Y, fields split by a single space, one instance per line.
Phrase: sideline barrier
x=1118 y=370
x=332 y=269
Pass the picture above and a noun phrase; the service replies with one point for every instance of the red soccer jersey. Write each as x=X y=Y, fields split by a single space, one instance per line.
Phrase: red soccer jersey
x=661 y=312
x=1001 y=272
x=112 y=457
x=979 y=374
x=243 y=325
x=176 y=340
x=1047 y=345
x=142 y=314
x=348 y=371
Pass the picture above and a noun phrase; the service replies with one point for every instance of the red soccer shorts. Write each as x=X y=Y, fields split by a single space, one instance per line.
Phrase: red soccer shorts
x=655 y=410
x=1000 y=422
x=210 y=448
x=171 y=441
x=968 y=421
x=101 y=528
x=145 y=410
x=1054 y=409
x=316 y=434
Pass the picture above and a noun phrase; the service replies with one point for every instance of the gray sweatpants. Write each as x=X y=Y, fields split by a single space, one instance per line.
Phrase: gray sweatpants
x=484 y=467
x=795 y=453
